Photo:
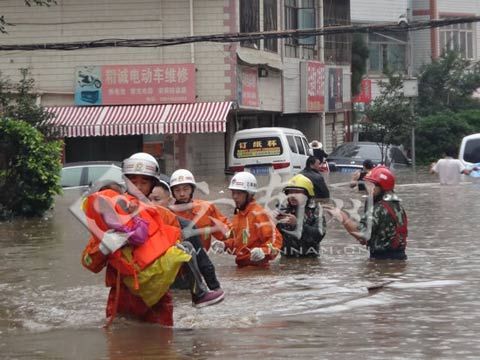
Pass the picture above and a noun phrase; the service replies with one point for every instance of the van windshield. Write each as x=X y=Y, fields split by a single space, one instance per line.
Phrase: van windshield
x=258 y=147
x=472 y=151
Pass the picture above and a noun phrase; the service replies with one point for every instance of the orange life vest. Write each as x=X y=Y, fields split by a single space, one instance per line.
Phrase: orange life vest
x=160 y=236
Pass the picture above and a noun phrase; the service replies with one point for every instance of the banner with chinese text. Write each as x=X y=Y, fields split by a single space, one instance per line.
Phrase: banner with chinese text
x=135 y=84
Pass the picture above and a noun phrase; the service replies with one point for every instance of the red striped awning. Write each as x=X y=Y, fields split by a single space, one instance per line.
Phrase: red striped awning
x=81 y=121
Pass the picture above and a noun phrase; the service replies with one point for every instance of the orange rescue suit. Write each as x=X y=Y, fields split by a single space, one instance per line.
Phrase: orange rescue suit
x=252 y=227
x=204 y=215
x=160 y=238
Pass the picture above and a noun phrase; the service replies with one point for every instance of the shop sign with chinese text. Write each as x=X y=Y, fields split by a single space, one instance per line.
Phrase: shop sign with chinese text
x=135 y=84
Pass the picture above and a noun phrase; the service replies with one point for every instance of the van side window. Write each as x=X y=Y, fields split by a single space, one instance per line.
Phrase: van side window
x=291 y=143
x=305 y=143
x=298 y=140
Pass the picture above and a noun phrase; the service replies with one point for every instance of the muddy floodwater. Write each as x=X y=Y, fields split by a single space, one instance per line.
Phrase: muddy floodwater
x=52 y=308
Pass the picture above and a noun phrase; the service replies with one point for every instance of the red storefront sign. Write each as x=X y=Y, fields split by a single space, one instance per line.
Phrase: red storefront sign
x=315 y=86
x=365 y=95
x=148 y=84
x=249 y=87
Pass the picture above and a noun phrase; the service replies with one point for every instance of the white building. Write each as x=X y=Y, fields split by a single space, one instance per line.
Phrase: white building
x=407 y=52
x=428 y=44
x=181 y=103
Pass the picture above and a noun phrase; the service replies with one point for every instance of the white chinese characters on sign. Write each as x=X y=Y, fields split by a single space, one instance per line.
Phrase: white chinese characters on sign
x=148 y=84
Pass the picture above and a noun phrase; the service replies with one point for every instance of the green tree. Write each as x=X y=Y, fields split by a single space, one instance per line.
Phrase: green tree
x=4 y=23
x=448 y=84
x=390 y=118
x=440 y=131
x=19 y=101
x=29 y=159
x=29 y=170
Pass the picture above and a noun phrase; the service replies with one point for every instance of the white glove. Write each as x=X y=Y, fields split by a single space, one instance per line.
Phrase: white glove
x=112 y=241
x=218 y=247
x=257 y=254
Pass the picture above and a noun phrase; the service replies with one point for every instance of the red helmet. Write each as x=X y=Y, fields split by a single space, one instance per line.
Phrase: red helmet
x=381 y=176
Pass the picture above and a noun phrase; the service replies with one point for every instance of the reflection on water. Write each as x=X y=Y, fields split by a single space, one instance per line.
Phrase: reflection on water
x=50 y=307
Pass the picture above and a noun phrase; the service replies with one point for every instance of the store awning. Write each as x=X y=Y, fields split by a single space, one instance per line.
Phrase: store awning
x=82 y=121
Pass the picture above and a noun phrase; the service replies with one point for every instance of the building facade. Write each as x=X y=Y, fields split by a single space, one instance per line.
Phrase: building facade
x=430 y=44
x=181 y=103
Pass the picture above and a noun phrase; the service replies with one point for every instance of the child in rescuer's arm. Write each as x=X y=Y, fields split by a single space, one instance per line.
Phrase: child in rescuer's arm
x=142 y=253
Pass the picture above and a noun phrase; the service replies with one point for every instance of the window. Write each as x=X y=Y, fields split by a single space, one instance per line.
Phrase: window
x=338 y=47
x=250 y=21
x=397 y=157
x=459 y=38
x=300 y=14
x=71 y=177
x=298 y=140
x=291 y=143
x=387 y=51
x=96 y=173
x=472 y=151
x=307 y=146
x=270 y=23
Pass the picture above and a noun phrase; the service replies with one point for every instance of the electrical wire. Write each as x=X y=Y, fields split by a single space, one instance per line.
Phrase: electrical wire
x=238 y=37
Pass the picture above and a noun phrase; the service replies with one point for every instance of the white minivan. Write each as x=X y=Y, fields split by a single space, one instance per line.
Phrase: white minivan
x=469 y=153
x=263 y=151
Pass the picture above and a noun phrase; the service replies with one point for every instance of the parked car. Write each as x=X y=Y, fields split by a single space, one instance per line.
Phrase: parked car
x=469 y=153
x=82 y=174
x=262 y=151
x=349 y=156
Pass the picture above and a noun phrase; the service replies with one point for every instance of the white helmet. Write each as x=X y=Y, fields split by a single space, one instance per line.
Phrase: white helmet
x=244 y=181
x=182 y=176
x=140 y=164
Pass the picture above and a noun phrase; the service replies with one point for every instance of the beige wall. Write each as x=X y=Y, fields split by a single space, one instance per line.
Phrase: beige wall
x=72 y=20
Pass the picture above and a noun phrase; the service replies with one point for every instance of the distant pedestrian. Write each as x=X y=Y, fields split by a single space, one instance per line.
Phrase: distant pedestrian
x=318 y=151
x=312 y=171
x=358 y=176
x=449 y=169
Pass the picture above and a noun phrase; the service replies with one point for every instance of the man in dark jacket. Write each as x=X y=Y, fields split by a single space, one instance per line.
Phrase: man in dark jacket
x=312 y=171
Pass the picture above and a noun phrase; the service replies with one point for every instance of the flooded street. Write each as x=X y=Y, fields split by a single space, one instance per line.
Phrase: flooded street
x=53 y=308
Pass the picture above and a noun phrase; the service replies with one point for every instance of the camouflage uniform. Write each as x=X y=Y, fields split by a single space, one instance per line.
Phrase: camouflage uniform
x=305 y=243
x=388 y=238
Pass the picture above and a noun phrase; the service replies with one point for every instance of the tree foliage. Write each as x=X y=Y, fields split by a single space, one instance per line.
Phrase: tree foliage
x=448 y=84
x=29 y=160
x=29 y=170
x=4 y=23
x=441 y=131
x=390 y=118
x=19 y=101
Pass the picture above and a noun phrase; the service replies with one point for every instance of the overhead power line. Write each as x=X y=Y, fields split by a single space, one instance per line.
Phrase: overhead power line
x=236 y=37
